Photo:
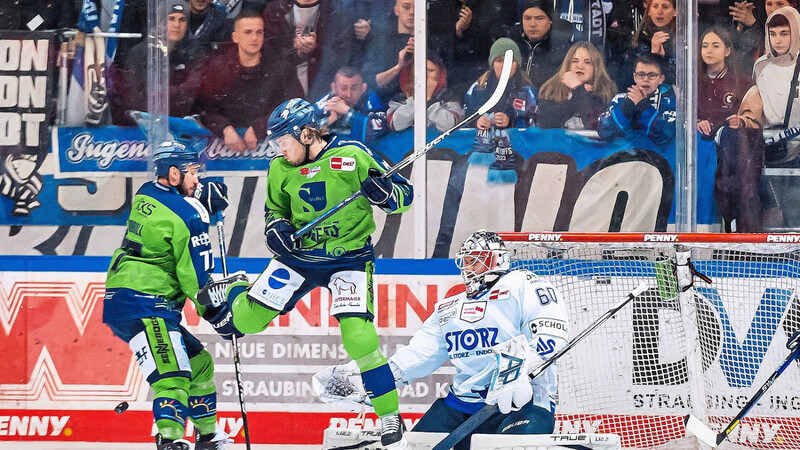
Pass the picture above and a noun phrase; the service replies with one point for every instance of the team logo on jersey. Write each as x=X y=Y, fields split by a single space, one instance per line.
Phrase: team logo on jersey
x=519 y=104
x=545 y=346
x=473 y=311
x=343 y=163
x=309 y=172
x=499 y=294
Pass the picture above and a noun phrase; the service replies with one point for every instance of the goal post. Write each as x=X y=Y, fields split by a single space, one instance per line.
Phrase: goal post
x=703 y=348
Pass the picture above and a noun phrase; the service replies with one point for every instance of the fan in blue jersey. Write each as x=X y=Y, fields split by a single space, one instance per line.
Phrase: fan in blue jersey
x=498 y=306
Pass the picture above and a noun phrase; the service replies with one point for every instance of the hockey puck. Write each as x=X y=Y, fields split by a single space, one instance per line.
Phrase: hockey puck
x=121 y=408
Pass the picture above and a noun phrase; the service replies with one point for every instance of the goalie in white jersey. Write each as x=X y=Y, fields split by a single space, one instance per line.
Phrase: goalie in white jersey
x=499 y=305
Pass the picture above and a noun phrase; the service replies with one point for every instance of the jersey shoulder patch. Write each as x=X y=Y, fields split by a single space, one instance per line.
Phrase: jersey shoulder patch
x=199 y=207
x=447 y=308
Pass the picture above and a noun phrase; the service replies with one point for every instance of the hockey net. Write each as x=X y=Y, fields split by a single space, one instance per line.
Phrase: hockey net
x=671 y=352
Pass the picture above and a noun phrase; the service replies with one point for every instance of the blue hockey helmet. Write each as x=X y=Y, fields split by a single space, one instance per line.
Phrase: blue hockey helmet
x=170 y=154
x=289 y=118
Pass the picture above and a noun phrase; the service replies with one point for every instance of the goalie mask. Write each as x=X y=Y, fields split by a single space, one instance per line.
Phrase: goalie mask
x=482 y=259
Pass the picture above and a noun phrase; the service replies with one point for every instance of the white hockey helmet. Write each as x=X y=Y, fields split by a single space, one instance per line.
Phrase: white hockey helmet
x=482 y=258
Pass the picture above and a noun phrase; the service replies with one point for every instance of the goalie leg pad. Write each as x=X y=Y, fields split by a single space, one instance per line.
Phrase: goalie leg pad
x=530 y=419
x=442 y=418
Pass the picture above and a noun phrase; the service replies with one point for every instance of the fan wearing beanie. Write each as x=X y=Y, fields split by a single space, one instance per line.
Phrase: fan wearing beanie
x=517 y=106
x=542 y=39
x=185 y=58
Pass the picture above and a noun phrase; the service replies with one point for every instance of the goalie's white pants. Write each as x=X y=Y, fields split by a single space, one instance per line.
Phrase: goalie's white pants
x=337 y=438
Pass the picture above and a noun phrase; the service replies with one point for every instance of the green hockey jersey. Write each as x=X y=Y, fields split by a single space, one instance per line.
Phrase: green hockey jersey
x=166 y=257
x=302 y=193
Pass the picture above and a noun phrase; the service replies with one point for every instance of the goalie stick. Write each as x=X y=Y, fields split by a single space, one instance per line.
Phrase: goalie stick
x=707 y=435
x=237 y=364
x=505 y=74
x=484 y=413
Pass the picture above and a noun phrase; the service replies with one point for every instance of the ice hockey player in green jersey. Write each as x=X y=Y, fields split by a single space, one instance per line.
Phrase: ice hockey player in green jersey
x=165 y=258
x=315 y=171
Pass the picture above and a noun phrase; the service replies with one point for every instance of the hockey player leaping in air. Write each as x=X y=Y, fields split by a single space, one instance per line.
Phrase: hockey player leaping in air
x=499 y=305
x=315 y=171
x=166 y=257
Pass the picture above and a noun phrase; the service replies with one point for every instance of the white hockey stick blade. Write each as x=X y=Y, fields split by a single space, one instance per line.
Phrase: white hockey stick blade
x=701 y=430
x=505 y=74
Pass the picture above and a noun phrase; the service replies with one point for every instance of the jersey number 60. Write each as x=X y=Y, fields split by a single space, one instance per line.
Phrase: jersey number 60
x=546 y=295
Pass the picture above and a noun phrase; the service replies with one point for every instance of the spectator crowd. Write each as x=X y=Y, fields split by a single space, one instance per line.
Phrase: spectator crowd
x=232 y=62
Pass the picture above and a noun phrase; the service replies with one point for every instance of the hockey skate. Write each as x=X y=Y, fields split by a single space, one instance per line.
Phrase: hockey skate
x=178 y=444
x=219 y=441
x=214 y=292
x=392 y=428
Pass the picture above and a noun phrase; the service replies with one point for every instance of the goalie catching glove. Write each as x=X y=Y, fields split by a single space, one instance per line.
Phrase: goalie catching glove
x=511 y=387
x=341 y=385
x=376 y=189
x=216 y=297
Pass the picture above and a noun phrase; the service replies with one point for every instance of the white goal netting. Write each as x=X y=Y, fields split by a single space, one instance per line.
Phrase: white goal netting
x=705 y=350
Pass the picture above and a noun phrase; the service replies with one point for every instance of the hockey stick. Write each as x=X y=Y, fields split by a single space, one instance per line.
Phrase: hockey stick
x=484 y=413
x=707 y=435
x=237 y=364
x=496 y=95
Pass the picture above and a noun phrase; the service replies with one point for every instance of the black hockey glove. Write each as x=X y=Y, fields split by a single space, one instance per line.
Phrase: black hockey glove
x=278 y=237
x=213 y=195
x=376 y=189
x=221 y=318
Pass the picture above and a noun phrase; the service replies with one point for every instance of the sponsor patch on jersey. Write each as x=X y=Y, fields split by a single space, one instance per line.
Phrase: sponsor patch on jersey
x=445 y=304
x=473 y=311
x=499 y=294
x=545 y=326
x=343 y=163
x=309 y=172
x=202 y=239
x=519 y=104
x=445 y=316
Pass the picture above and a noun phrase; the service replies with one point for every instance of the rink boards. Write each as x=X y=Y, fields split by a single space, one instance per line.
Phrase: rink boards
x=63 y=372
